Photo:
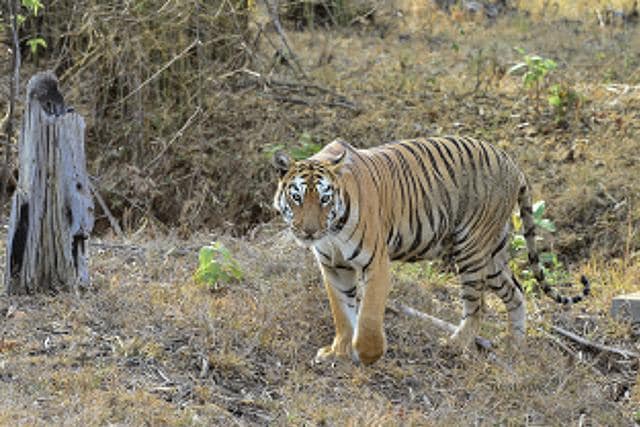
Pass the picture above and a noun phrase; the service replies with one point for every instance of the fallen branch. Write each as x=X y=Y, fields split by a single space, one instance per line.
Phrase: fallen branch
x=592 y=344
x=481 y=342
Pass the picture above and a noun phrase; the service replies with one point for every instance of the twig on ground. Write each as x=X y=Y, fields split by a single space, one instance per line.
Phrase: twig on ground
x=592 y=344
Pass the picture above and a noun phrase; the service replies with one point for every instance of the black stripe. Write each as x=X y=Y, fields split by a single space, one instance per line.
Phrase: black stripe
x=339 y=225
x=351 y=293
x=502 y=244
x=365 y=161
x=323 y=254
x=395 y=176
x=511 y=294
x=467 y=268
x=515 y=282
x=473 y=283
x=418 y=238
x=450 y=171
x=494 y=275
x=485 y=155
x=373 y=254
x=472 y=313
x=470 y=298
x=390 y=236
x=424 y=250
x=356 y=252
x=499 y=287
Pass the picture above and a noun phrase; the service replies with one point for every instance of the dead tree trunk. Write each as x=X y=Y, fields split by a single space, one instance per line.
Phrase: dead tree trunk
x=52 y=209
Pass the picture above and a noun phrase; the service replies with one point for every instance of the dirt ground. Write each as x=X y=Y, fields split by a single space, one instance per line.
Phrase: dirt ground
x=148 y=346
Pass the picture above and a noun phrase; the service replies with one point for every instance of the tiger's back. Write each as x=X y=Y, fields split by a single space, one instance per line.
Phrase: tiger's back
x=429 y=190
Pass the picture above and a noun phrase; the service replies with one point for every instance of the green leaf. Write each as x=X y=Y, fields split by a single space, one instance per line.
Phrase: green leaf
x=546 y=224
x=33 y=6
x=555 y=101
x=518 y=242
x=35 y=43
x=205 y=255
x=538 y=209
x=216 y=265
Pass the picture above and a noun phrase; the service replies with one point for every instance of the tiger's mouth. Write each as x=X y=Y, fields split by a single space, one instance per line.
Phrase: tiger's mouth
x=307 y=240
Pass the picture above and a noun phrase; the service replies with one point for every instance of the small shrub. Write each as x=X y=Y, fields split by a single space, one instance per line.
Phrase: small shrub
x=534 y=70
x=216 y=266
x=563 y=99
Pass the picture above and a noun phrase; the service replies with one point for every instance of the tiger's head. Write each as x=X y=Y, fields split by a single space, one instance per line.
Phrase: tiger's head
x=309 y=196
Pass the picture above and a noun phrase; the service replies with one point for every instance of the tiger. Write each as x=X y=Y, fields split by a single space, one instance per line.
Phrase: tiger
x=446 y=197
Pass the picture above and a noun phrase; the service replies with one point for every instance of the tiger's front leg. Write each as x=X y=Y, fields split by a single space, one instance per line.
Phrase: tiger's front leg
x=369 y=342
x=340 y=283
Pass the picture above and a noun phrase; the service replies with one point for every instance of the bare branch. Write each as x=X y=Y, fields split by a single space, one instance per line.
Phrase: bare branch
x=588 y=343
x=275 y=19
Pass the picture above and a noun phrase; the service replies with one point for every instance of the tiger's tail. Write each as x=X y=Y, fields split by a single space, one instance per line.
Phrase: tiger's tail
x=528 y=225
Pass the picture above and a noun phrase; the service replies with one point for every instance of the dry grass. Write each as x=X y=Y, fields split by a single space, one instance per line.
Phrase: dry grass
x=148 y=346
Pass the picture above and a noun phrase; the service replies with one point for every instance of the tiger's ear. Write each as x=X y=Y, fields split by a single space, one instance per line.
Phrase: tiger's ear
x=282 y=162
x=337 y=162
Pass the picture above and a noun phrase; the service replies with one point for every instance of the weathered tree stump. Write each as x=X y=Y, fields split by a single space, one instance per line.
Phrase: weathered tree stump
x=52 y=209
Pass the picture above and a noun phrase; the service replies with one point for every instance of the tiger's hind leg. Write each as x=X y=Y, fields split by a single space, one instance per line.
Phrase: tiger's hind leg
x=472 y=308
x=504 y=284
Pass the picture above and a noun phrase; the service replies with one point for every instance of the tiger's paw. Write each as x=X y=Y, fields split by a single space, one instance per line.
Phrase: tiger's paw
x=325 y=354
x=341 y=347
x=464 y=334
x=368 y=346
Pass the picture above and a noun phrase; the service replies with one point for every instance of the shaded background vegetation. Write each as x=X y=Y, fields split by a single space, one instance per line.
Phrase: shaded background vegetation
x=186 y=100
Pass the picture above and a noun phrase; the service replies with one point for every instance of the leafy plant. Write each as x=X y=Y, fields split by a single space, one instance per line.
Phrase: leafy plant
x=36 y=42
x=534 y=70
x=553 y=269
x=33 y=7
x=305 y=148
x=563 y=99
x=216 y=266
